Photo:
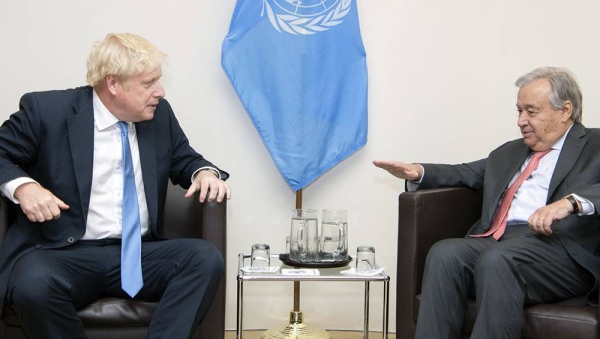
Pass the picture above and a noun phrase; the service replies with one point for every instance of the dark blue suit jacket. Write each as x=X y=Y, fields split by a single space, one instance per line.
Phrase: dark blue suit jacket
x=51 y=139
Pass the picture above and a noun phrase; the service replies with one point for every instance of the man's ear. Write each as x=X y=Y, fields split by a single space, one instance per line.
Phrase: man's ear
x=567 y=110
x=111 y=82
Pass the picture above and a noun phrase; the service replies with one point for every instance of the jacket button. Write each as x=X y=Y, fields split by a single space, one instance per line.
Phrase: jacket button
x=71 y=239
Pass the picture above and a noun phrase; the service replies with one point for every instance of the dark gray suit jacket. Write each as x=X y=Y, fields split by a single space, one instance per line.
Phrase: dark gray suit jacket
x=577 y=171
x=51 y=139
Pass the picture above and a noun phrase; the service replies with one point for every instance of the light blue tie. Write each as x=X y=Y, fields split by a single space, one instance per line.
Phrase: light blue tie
x=131 y=244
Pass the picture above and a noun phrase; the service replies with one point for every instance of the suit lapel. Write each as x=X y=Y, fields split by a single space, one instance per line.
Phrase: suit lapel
x=569 y=154
x=505 y=166
x=147 y=147
x=81 y=140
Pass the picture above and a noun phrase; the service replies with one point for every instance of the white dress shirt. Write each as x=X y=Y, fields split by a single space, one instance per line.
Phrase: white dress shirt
x=106 y=200
x=537 y=185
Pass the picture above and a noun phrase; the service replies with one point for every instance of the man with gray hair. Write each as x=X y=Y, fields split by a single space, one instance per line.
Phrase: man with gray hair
x=90 y=167
x=539 y=233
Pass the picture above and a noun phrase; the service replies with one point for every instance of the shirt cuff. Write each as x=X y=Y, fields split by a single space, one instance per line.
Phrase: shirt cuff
x=203 y=168
x=587 y=208
x=8 y=189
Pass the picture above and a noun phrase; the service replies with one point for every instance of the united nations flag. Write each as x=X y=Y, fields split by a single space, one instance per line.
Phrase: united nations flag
x=299 y=69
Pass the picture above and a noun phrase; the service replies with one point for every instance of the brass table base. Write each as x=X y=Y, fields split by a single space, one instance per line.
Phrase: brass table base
x=295 y=330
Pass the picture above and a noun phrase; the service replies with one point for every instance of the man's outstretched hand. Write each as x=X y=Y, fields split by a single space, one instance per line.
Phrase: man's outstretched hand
x=401 y=170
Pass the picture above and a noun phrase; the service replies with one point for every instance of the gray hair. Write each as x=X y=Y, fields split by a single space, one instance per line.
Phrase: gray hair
x=564 y=88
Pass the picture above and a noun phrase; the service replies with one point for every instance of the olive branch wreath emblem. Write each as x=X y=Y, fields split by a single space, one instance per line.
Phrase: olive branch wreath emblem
x=302 y=25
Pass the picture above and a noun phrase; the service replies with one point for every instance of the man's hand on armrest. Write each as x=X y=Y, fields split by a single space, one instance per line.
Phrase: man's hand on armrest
x=38 y=203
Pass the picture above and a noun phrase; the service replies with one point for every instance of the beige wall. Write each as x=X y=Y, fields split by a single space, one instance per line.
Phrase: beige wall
x=441 y=90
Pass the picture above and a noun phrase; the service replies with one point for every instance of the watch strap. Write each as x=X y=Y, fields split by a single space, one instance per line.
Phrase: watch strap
x=574 y=203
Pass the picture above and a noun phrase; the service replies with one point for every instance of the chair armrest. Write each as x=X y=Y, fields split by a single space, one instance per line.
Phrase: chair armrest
x=425 y=217
x=188 y=218
x=214 y=229
x=214 y=223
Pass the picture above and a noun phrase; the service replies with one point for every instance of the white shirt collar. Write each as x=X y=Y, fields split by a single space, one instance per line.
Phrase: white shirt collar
x=102 y=116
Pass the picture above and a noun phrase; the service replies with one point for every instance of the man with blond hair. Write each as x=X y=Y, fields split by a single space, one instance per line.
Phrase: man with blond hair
x=89 y=168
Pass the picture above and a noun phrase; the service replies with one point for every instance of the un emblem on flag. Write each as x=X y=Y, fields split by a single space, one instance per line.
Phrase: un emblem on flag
x=305 y=16
x=306 y=7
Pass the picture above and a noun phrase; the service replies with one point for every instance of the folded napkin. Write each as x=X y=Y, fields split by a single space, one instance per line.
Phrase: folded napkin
x=271 y=269
x=352 y=271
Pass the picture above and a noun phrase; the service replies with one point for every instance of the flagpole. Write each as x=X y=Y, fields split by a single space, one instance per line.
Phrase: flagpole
x=296 y=329
x=297 y=283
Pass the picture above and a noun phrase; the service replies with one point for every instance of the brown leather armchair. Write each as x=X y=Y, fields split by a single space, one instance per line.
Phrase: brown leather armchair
x=120 y=318
x=427 y=216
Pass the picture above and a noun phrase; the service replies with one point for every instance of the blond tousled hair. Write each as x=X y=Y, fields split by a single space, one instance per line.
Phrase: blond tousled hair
x=122 y=55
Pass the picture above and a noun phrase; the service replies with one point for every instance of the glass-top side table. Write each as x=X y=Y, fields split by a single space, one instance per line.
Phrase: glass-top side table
x=326 y=274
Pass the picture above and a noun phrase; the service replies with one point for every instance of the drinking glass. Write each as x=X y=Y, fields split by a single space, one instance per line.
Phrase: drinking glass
x=334 y=235
x=304 y=237
x=260 y=255
x=365 y=259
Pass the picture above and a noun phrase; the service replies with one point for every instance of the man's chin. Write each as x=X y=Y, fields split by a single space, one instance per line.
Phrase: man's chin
x=148 y=115
x=529 y=142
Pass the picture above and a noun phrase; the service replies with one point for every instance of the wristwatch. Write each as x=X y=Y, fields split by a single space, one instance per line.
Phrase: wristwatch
x=574 y=203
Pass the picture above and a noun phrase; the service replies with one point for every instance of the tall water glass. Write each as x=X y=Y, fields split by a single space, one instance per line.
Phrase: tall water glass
x=334 y=235
x=304 y=236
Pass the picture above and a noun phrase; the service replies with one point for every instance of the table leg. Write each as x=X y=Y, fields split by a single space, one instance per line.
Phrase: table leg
x=240 y=308
x=386 y=306
x=366 y=310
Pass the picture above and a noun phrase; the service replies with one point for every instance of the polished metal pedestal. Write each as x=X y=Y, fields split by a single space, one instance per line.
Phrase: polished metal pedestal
x=295 y=330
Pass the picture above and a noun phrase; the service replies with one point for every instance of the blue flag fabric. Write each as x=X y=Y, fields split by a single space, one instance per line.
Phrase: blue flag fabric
x=299 y=68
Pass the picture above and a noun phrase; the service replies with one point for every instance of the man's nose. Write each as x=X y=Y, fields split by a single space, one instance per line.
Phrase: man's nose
x=159 y=92
x=522 y=120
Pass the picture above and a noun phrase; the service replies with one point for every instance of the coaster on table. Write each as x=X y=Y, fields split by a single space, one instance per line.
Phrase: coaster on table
x=352 y=271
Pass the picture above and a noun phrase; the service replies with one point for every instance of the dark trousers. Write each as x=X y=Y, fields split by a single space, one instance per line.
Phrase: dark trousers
x=503 y=276
x=47 y=287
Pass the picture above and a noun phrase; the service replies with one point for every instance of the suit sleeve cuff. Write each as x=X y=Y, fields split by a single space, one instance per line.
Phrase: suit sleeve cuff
x=414 y=185
x=206 y=168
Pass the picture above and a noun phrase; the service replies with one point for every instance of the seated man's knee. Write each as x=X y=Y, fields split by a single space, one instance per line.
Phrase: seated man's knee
x=444 y=251
x=31 y=286
x=208 y=257
x=494 y=260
